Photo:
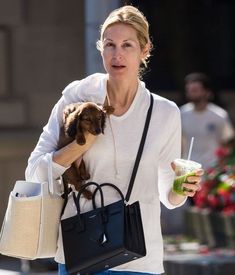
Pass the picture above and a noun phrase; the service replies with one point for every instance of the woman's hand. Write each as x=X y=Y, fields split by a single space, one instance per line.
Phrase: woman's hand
x=192 y=184
x=90 y=139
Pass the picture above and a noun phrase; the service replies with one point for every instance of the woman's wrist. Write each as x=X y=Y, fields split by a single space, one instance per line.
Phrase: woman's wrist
x=68 y=154
x=73 y=151
x=176 y=199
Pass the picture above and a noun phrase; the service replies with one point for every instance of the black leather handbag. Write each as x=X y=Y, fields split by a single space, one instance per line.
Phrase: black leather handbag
x=106 y=236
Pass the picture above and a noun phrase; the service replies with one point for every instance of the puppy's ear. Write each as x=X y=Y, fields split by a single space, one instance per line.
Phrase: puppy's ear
x=71 y=126
x=74 y=130
x=103 y=119
x=108 y=109
x=67 y=111
x=80 y=137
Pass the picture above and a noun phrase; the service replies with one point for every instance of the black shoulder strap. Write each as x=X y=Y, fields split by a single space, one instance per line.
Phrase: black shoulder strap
x=140 y=150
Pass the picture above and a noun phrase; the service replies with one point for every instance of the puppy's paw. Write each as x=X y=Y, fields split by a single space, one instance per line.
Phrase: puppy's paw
x=108 y=109
x=80 y=139
x=86 y=176
x=87 y=194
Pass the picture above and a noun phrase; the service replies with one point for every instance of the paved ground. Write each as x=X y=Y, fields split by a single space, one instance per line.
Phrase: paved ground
x=12 y=266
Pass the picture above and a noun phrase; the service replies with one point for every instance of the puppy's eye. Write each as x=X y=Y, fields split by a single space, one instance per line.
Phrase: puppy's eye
x=86 y=118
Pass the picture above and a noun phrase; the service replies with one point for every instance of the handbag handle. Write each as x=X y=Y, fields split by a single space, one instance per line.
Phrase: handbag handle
x=106 y=184
x=77 y=199
x=140 y=150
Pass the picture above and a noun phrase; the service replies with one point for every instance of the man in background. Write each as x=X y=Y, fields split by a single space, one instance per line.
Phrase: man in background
x=210 y=126
x=208 y=123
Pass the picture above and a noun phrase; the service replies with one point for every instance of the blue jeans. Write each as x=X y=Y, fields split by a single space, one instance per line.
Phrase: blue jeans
x=62 y=271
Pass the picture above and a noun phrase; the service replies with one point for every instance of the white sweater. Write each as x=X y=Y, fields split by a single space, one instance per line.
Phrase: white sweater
x=111 y=159
x=209 y=128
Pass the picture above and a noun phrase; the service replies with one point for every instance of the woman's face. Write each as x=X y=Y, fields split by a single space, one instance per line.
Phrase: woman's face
x=121 y=51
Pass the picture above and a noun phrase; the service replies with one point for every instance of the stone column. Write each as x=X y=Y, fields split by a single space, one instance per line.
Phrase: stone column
x=95 y=14
x=3 y=62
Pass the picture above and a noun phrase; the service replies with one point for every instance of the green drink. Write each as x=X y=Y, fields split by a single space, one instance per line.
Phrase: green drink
x=177 y=186
x=183 y=169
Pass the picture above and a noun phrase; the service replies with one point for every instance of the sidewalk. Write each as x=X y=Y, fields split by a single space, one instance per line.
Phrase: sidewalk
x=13 y=266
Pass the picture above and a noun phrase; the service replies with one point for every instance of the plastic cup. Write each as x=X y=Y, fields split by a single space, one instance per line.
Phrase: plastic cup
x=183 y=169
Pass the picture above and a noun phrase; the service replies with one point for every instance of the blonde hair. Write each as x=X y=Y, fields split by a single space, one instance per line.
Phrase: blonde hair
x=133 y=17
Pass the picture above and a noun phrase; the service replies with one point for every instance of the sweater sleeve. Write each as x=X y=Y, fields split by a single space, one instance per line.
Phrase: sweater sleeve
x=227 y=131
x=91 y=88
x=171 y=150
x=37 y=168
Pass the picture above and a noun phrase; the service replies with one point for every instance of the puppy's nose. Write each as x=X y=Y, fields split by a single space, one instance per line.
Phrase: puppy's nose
x=97 y=131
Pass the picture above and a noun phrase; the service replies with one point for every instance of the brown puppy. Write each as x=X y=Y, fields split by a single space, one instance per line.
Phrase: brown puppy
x=79 y=118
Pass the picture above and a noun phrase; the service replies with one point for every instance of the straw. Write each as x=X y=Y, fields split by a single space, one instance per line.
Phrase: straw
x=190 y=148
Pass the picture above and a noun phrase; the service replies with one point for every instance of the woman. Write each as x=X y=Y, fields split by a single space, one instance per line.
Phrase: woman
x=125 y=46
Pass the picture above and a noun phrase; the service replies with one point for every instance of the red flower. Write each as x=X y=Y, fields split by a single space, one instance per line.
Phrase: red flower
x=218 y=184
x=222 y=152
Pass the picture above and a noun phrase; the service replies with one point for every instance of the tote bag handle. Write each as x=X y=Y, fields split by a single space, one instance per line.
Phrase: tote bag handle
x=53 y=188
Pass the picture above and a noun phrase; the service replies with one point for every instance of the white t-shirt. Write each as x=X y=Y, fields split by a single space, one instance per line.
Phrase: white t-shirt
x=111 y=159
x=209 y=128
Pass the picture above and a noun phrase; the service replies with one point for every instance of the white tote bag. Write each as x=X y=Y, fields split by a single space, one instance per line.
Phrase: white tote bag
x=31 y=224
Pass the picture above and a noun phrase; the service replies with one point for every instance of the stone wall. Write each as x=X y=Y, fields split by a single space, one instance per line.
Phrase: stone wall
x=41 y=51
